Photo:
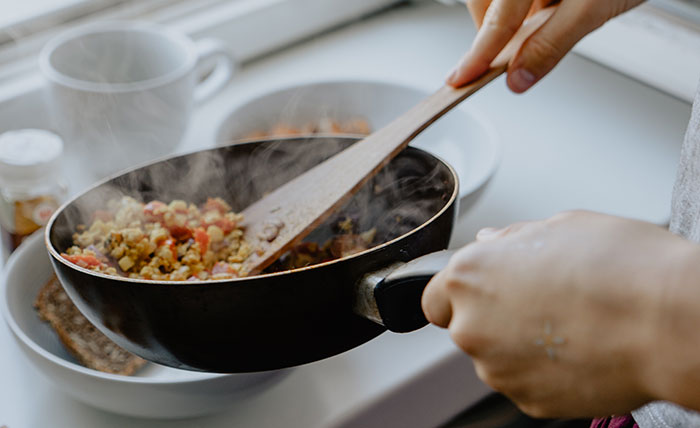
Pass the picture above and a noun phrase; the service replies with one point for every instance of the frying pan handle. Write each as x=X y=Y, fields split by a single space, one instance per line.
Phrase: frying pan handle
x=392 y=296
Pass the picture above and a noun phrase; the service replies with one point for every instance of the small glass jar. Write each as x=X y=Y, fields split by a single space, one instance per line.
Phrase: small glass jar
x=31 y=187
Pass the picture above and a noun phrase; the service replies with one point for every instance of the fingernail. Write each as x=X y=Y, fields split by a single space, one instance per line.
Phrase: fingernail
x=521 y=80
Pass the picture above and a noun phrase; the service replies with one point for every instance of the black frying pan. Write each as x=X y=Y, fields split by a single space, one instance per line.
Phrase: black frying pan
x=279 y=319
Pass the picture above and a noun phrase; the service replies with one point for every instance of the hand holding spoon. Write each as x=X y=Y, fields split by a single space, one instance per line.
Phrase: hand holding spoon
x=286 y=215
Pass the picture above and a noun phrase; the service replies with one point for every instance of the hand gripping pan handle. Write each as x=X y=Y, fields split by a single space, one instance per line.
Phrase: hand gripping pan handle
x=392 y=296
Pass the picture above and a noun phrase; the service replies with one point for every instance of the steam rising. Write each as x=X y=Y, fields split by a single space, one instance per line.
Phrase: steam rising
x=131 y=125
x=401 y=197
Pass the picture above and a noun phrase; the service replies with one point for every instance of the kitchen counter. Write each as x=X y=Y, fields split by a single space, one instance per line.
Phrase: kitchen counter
x=586 y=137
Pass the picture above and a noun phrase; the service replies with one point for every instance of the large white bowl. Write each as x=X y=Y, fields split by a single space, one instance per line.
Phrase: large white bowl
x=155 y=391
x=464 y=138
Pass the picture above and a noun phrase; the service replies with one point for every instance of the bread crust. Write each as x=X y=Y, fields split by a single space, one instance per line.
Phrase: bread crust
x=82 y=339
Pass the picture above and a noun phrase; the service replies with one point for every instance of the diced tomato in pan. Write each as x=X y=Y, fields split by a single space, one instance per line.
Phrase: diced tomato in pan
x=181 y=233
x=225 y=225
x=83 y=260
x=202 y=238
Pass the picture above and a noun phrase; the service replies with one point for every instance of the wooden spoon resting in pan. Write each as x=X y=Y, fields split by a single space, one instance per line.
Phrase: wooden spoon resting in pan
x=285 y=216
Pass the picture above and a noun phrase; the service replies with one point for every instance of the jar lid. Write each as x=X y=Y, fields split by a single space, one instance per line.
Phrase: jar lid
x=28 y=155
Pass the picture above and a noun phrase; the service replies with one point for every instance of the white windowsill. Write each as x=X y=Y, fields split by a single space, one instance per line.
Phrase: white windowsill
x=252 y=27
x=646 y=43
x=657 y=43
x=29 y=14
x=651 y=46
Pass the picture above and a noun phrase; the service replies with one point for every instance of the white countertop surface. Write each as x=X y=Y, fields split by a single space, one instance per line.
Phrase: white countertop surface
x=586 y=137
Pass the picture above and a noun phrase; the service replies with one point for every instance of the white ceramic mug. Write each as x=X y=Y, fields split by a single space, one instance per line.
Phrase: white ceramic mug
x=121 y=93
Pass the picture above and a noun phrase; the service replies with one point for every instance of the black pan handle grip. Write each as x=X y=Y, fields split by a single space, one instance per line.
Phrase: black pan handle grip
x=392 y=297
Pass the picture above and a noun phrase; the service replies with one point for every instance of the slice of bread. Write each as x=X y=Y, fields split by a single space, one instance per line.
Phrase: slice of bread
x=92 y=348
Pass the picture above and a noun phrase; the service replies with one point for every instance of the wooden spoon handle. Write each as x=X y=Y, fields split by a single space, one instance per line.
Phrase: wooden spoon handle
x=432 y=108
x=289 y=213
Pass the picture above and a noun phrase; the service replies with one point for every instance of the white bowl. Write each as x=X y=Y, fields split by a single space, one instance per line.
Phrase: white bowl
x=464 y=138
x=154 y=392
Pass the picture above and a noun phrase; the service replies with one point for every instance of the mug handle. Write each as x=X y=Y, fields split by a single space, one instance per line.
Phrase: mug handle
x=222 y=72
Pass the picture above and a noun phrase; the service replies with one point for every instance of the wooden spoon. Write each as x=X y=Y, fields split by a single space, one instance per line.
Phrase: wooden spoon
x=285 y=216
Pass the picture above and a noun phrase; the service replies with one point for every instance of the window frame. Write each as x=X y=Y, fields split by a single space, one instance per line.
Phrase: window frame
x=253 y=28
x=63 y=12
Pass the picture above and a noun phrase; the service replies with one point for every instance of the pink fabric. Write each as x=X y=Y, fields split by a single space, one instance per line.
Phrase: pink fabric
x=615 y=422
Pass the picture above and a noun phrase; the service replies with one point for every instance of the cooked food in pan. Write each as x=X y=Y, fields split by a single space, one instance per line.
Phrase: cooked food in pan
x=327 y=126
x=287 y=319
x=180 y=241
x=170 y=242
x=347 y=242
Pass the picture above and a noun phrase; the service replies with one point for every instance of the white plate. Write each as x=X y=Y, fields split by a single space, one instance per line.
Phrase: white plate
x=155 y=391
x=464 y=138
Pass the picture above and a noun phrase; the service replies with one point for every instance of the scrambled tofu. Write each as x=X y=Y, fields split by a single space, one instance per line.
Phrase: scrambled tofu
x=171 y=242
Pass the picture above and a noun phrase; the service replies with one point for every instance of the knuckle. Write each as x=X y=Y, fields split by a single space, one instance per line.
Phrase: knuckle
x=536 y=402
x=498 y=383
x=476 y=5
x=521 y=391
x=546 y=52
x=500 y=25
x=534 y=410
x=466 y=339
x=592 y=15
x=453 y=283
x=514 y=227
x=496 y=19
x=523 y=226
x=569 y=215
x=458 y=269
x=462 y=278
x=454 y=280
x=565 y=215
x=463 y=262
x=483 y=373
